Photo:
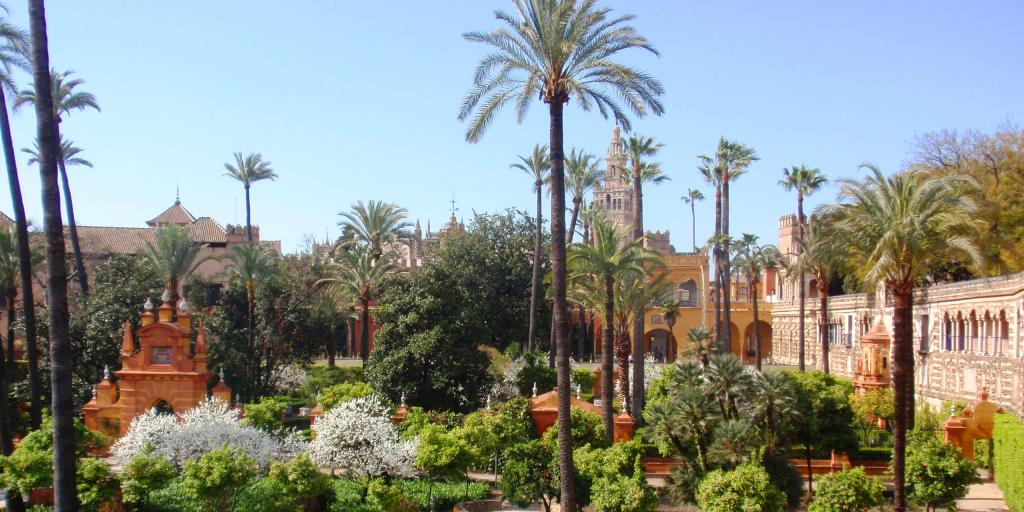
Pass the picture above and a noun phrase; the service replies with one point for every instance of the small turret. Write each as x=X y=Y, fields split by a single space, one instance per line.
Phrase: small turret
x=185 y=315
x=127 y=341
x=200 y=357
x=166 y=312
x=221 y=390
x=147 y=312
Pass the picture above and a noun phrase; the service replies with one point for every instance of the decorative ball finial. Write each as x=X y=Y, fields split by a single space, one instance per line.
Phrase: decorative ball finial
x=148 y=306
x=184 y=307
x=106 y=372
x=94 y=392
x=535 y=389
x=166 y=297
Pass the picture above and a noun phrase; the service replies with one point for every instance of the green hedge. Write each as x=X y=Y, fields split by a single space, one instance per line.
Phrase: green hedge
x=1009 y=459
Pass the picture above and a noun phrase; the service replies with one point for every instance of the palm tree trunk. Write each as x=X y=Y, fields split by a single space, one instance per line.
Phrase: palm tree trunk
x=638 y=322
x=671 y=356
x=558 y=277
x=248 y=216
x=693 y=223
x=752 y=287
x=581 y=333
x=25 y=267
x=622 y=362
x=717 y=251
x=62 y=406
x=535 y=291
x=801 y=357
x=8 y=411
x=607 y=348
x=76 y=248
x=364 y=333
x=727 y=296
x=903 y=379
x=823 y=301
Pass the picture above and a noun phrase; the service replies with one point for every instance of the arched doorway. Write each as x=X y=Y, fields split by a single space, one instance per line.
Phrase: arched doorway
x=764 y=330
x=162 y=407
x=658 y=344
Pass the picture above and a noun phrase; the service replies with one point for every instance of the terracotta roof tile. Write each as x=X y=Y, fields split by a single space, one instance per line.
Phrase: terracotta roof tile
x=176 y=214
x=208 y=231
x=117 y=240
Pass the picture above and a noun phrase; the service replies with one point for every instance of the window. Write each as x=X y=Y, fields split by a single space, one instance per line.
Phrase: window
x=686 y=294
x=657 y=319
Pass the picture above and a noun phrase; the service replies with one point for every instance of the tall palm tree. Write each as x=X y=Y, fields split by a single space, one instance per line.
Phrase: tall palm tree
x=62 y=399
x=691 y=198
x=558 y=50
x=249 y=169
x=634 y=294
x=376 y=224
x=805 y=181
x=670 y=311
x=9 y=287
x=821 y=253
x=582 y=176
x=357 y=274
x=65 y=100
x=537 y=165
x=249 y=265
x=596 y=268
x=174 y=256
x=14 y=47
x=731 y=160
x=901 y=225
x=752 y=260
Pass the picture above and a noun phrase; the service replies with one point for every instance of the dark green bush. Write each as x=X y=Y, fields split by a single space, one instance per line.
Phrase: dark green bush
x=1009 y=459
x=850 y=490
x=172 y=498
x=95 y=484
x=319 y=378
x=143 y=476
x=587 y=429
x=744 y=489
x=447 y=494
x=267 y=414
x=936 y=473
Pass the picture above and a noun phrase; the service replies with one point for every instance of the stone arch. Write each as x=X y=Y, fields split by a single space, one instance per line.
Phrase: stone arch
x=961 y=334
x=765 y=330
x=1002 y=333
x=686 y=294
x=162 y=406
x=947 y=332
x=812 y=289
x=659 y=343
x=972 y=332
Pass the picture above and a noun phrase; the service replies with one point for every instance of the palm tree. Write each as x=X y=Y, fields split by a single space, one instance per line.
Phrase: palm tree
x=537 y=165
x=13 y=54
x=249 y=169
x=582 y=176
x=62 y=399
x=820 y=253
x=597 y=267
x=558 y=50
x=669 y=311
x=901 y=225
x=702 y=340
x=776 y=406
x=249 y=265
x=691 y=198
x=9 y=287
x=752 y=261
x=65 y=100
x=376 y=224
x=329 y=312
x=805 y=181
x=634 y=294
x=174 y=256
x=731 y=160
x=359 y=275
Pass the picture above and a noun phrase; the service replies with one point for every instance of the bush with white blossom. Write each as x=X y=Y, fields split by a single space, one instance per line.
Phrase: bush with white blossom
x=208 y=426
x=359 y=439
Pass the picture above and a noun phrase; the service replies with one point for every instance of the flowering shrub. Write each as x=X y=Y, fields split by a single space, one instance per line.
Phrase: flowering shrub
x=204 y=428
x=359 y=439
x=289 y=378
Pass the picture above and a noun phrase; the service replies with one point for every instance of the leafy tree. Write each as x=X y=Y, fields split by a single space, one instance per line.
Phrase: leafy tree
x=535 y=375
x=218 y=478
x=527 y=476
x=900 y=226
x=587 y=430
x=250 y=265
x=174 y=256
x=823 y=402
x=343 y=392
x=62 y=406
x=96 y=484
x=937 y=475
x=443 y=454
x=873 y=405
x=744 y=489
x=805 y=181
x=730 y=161
x=558 y=50
x=358 y=273
x=850 y=490
x=249 y=169
x=64 y=99
x=265 y=414
x=537 y=166
x=299 y=484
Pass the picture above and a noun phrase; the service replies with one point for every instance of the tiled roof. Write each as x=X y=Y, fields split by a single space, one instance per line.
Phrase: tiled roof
x=176 y=214
x=5 y=220
x=208 y=231
x=103 y=239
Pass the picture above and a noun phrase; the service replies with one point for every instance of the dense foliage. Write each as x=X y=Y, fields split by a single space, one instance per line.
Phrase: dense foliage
x=849 y=490
x=1009 y=458
x=744 y=489
x=358 y=439
x=937 y=475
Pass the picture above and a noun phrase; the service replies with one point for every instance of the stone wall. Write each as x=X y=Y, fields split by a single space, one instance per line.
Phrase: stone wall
x=967 y=336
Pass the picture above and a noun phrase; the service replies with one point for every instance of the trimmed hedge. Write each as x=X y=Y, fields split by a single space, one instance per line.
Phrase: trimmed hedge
x=1009 y=459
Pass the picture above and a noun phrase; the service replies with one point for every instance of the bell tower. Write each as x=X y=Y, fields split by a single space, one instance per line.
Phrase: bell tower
x=615 y=195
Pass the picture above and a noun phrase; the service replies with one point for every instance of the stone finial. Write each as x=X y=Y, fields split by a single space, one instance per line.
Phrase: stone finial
x=184 y=308
x=984 y=394
x=623 y=409
x=167 y=296
x=201 y=338
x=148 y=306
x=401 y=402
x=221 y=374
x=488 y=405
x=127 y=341
x=106 y=372
x=535 y=389
x=579 y=391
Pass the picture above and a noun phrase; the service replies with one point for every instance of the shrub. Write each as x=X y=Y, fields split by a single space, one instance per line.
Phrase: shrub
x=172 y=498
x=446 y=494
x=267 y=414
x=359 y=438
x=850 y=490
x=143 y=476
x=587 y=429
x=527 y=476
x=30 y=465
x=96 y=484
x=319 y=378
x=1009 y=459
x=936 y=474
x=444 y=453
x=535 y=370
x=298 y=484
x=584 y=378
x=387 y=498
x=744 y=489
x=874 y=404
x=622 y=493
x=218 y=478
x=343 y=392
x=785 y=476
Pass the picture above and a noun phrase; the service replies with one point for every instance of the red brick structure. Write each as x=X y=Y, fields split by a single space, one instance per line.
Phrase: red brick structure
x=872 y=370
x=164 y=371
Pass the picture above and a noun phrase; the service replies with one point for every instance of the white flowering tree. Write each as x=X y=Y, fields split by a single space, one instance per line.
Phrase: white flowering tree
x=210 y=425
x=358 y=439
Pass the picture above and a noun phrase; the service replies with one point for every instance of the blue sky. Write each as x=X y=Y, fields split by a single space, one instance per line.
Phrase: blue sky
x=358 y=100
